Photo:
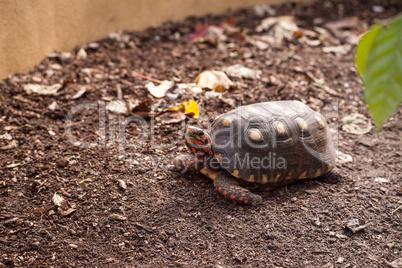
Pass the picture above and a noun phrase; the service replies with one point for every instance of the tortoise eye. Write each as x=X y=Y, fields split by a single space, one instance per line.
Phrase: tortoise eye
x=199 y=133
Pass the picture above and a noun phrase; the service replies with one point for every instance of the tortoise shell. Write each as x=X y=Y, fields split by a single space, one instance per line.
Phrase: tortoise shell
x=273 y=143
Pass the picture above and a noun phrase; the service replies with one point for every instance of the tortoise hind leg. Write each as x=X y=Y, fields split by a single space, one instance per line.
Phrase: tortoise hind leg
x=231 y=189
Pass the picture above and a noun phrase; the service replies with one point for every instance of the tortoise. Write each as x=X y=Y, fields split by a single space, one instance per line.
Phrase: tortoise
x=260 y=147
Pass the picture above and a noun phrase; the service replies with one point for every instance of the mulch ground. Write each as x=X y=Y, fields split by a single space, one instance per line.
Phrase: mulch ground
x=123 y=207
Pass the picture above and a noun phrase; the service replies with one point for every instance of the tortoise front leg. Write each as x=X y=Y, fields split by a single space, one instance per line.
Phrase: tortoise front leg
x=332 y=177
x=230 y=188
x=187 y=163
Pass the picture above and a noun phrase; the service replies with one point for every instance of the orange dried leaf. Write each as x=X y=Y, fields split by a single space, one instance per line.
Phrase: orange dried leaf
x=189 y=107
x=178 y=108
x=298 y=33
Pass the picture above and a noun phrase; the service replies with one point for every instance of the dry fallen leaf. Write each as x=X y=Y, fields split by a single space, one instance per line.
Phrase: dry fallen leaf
x=117 y=107
x=59 y=201
x=12 y=145
x=42 y=89
x=263 y=10
x=211 y=34
x=13 y=165
x=343 y=158
x=213 y=95
x=67 y=212
x=356 y=225
x=38 y=211
x=356 y=124
x=229 y=101
x=6 y=136
x=310 y=42
x=342 y=24
x=159 y=91
x=397 y=263
x=118 y=217
x=320 y=83
x=338 y=50
x=189 y=108
x=381 y=180
x=262 y=42
x=132 y=102
x=189 y=87
x=8 y=128
x=143 y=108
x=173 y=92
x=240 y=71
x=170 y=118
x=214 y=80
x=347 y=29
x=119 y=36
x=53 y=106
x=281 y=28
x=79 y=93
x=81 y=54
x=63 y=56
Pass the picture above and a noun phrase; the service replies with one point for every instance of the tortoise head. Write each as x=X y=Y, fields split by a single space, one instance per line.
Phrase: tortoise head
x=198 y=141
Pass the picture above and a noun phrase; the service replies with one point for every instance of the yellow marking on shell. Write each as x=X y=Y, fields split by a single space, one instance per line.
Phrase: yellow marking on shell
x=226 y=121
x=209 y=173
x=302 y=124
x=255 y=135
x=289 y=176
x=321 y=123
x=329 y=167
x=219 y=157
x=264 y=179
x=318 y=173
x=280 y=128
x=250 y=109
x=303 y=175
x=235 y=173
x=277 y=177
x=251 y=178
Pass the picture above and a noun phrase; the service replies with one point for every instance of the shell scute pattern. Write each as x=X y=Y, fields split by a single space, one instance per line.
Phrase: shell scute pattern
x=287 y=130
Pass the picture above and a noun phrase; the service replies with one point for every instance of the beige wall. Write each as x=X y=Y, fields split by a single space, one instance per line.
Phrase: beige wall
x=31 y=29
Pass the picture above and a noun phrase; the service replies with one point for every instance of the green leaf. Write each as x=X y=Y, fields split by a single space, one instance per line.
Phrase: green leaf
x=364 y=47
x=382 y=74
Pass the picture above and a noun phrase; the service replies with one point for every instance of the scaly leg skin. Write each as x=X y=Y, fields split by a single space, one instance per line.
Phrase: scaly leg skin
x=332 y=177
x=213 y=163
x=230 y=188
x=187 y=163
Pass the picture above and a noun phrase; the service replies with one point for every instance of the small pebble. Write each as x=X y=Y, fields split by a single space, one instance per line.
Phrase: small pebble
x=62 y=163
x=72 y=246
x=378 y=9
x=118 y=217
x=381 y=180
x=122 y=185
x=340 y=260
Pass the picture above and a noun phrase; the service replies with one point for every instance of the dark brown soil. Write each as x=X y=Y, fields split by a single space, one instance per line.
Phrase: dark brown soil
x=165 y=219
